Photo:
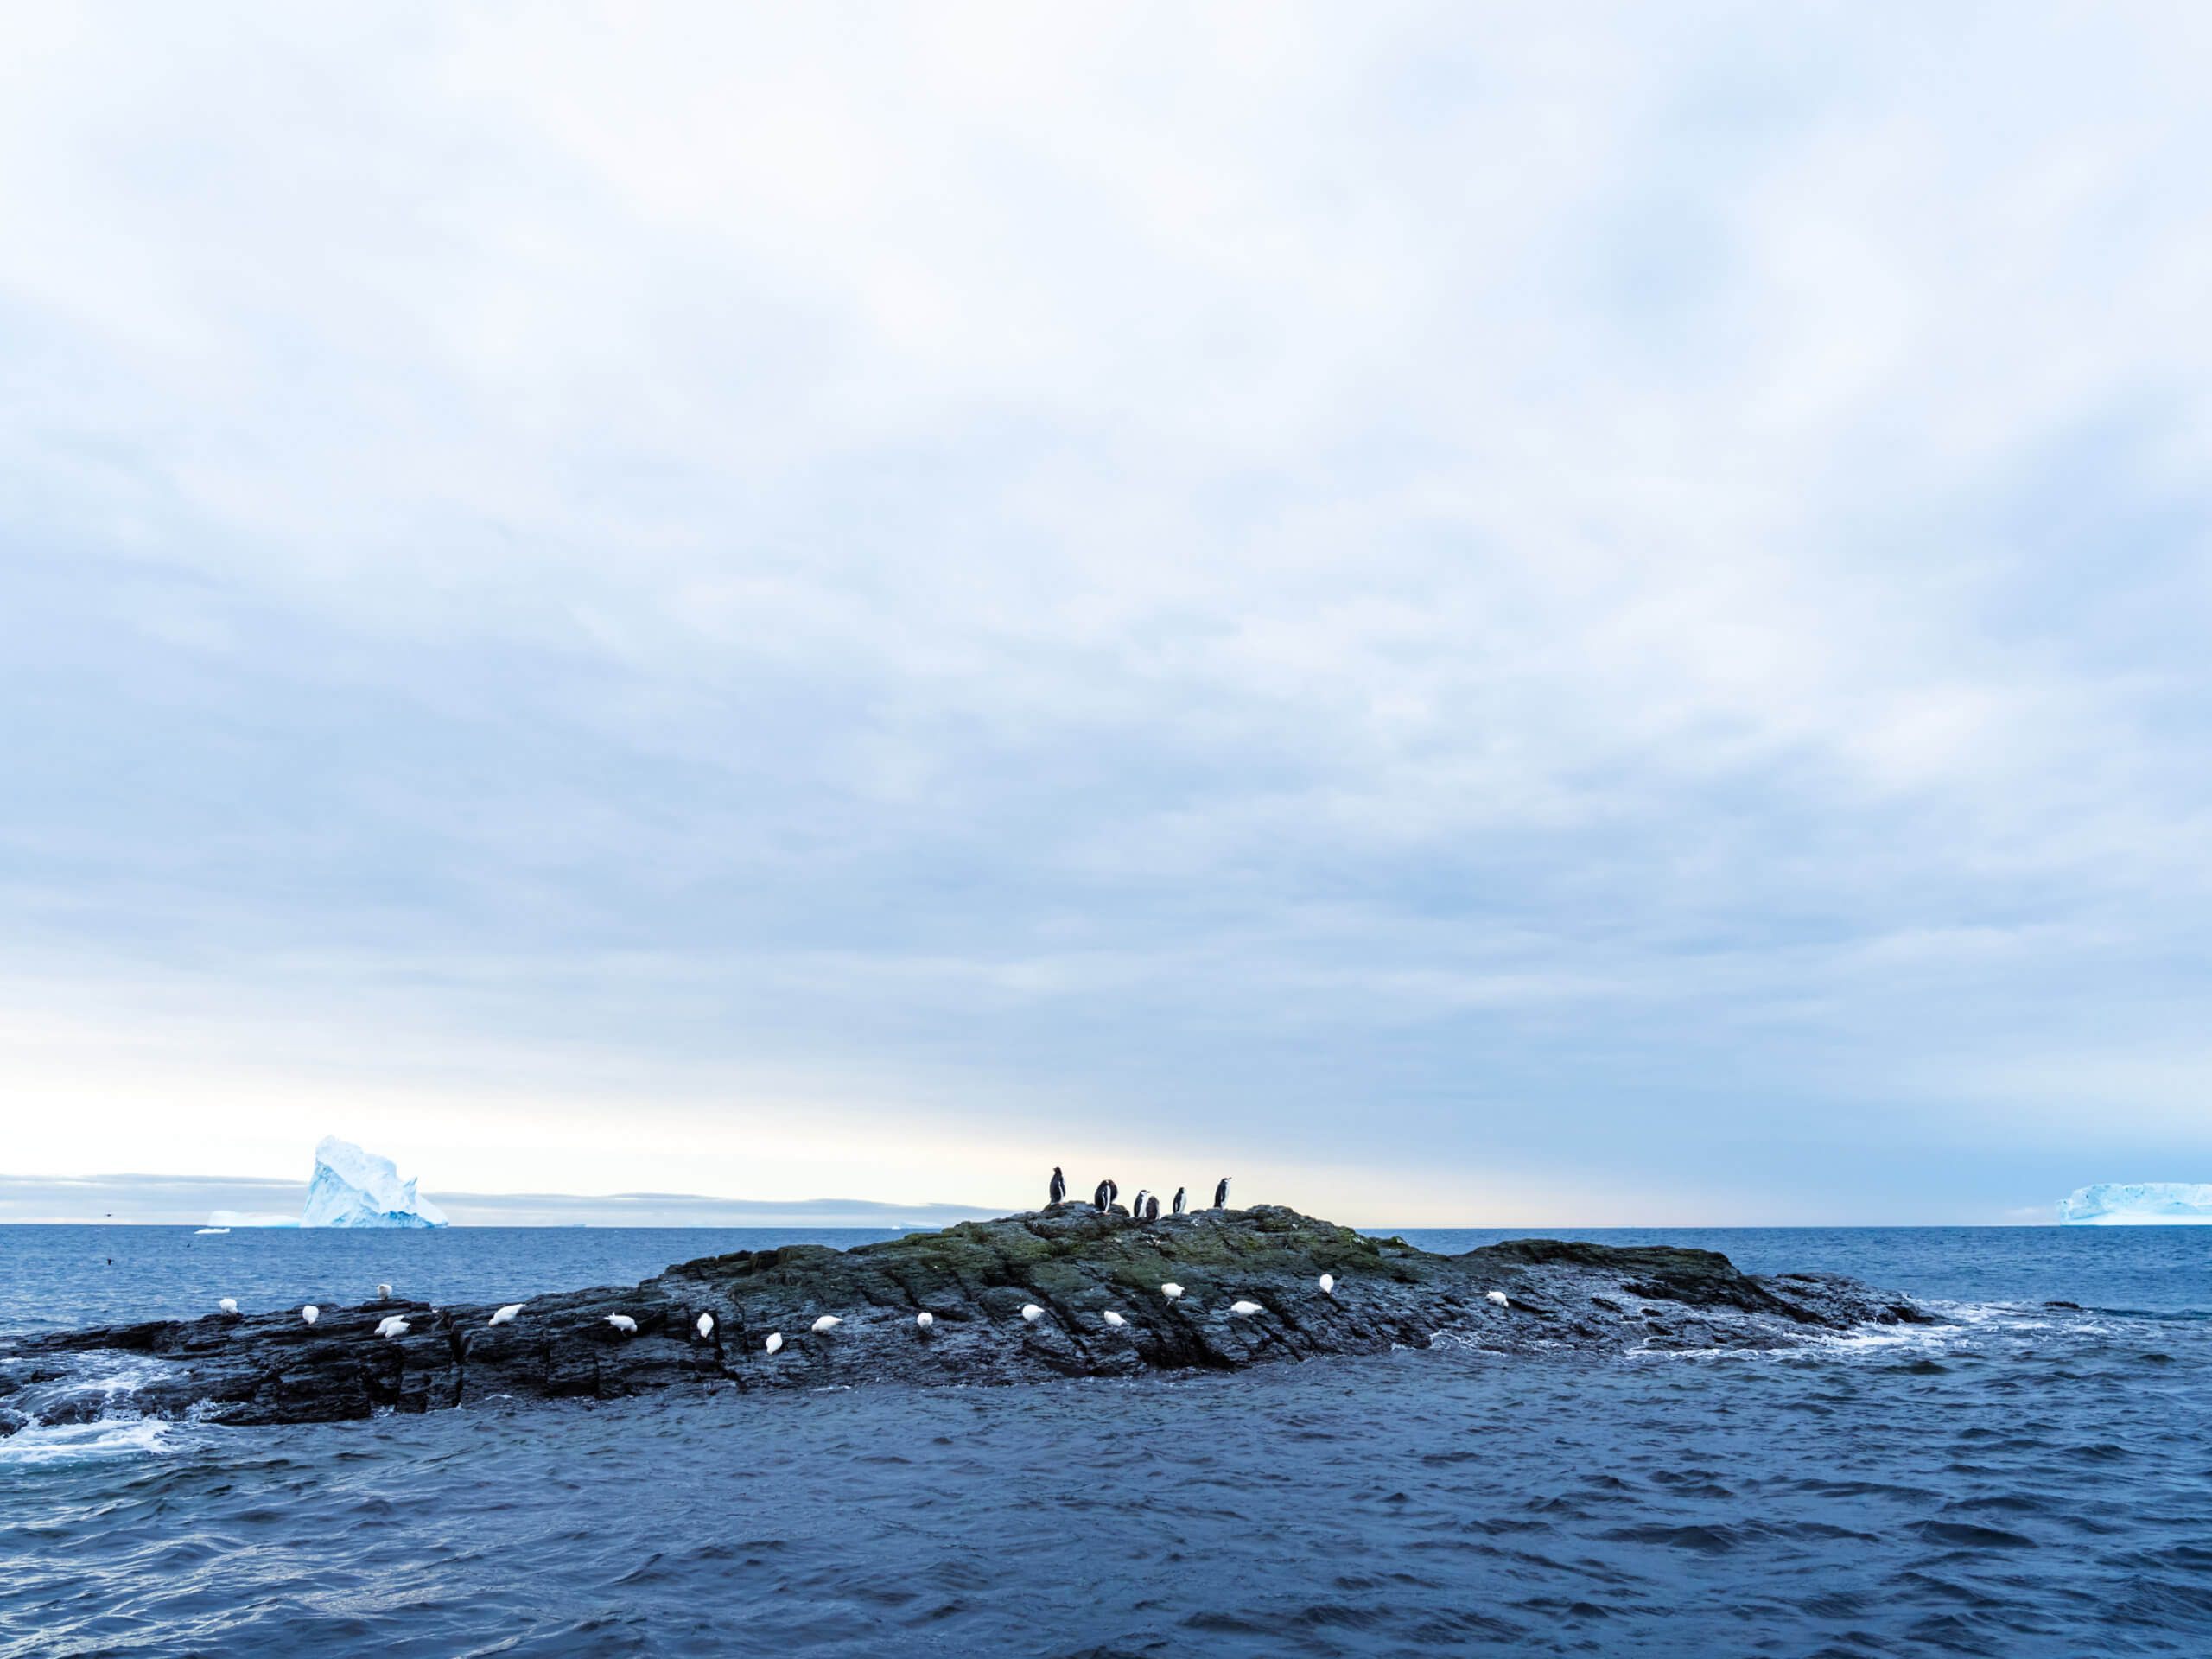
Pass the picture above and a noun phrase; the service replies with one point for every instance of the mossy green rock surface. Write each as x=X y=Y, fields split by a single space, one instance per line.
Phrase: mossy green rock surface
x=1074 y=1265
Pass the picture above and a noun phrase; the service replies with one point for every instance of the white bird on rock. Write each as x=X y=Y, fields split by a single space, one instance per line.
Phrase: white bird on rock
x=1245 y=1310
x=775 y=1341
x=1114 y=1320
x=1328 y=1283
x=705 y=1325
x=310 y=1313
x=827 y=1322
x=383 y=1292
x=1172 y=1293
x=1031 y=1312
x=229 y=1304
x=926 y=1321
x=506 y=1315
x=623 y=1323
x=391 y=1325
x=1497 y=1296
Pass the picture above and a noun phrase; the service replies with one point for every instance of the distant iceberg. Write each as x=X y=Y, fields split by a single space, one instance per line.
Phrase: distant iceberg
x=223 y=1220
x=2138 y=1203
x=353 y=1188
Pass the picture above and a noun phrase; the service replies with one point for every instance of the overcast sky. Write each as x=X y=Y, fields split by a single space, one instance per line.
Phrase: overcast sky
x=1484 y=614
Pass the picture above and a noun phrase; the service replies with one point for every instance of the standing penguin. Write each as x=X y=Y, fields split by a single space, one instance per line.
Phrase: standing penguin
x=1152 y=1208
x=1181 y=1193
x=1221 y=1194
x=1136 y=1205
x=1060 y=1186
x=1099 y=1199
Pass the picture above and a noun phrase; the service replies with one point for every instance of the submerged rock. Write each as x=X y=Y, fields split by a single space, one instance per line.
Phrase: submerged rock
x=850 y=1317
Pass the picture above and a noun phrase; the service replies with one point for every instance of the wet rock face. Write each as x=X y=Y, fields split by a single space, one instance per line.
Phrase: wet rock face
x=1071 y=1262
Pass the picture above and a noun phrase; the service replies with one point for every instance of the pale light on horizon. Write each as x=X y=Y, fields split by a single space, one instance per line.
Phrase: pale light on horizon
x=1475 y=617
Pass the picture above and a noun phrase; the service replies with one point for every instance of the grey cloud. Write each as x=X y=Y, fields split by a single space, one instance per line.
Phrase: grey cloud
x=1558 y=594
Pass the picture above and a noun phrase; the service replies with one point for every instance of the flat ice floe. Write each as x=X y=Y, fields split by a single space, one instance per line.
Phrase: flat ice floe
x=2138 y=1203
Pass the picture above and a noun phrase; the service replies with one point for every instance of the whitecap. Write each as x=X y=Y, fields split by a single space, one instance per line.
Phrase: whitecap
x=95 y=1396
x=46 y=1444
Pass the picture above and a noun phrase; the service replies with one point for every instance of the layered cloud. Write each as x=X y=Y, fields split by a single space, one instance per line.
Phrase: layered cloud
x=1487 y=612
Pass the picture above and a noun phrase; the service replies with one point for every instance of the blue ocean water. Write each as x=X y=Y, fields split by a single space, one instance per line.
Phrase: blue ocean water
x=2025 y=1480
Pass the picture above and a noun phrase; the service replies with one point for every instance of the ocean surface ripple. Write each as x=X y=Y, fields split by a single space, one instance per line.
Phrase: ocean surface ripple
x=2025 y=1480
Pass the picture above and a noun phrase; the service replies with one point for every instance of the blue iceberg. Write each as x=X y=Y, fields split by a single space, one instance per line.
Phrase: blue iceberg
x=353 y=1188
x=2138 y=1203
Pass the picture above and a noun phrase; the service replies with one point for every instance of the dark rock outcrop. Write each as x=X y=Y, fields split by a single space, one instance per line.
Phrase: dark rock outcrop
x=1072 y=1264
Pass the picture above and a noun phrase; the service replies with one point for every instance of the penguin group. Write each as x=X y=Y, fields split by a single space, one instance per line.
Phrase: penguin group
x=1143 y=1207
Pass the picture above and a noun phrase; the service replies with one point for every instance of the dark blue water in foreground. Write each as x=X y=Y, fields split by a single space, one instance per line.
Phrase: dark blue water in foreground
x=2025 y=1481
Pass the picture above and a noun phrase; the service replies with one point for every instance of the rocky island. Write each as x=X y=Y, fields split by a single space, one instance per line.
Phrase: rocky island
x=1070 y=1291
